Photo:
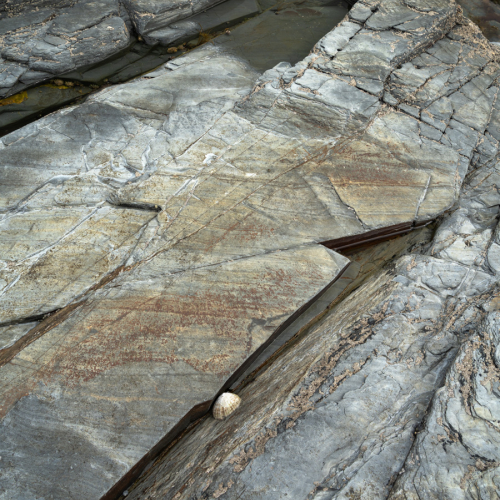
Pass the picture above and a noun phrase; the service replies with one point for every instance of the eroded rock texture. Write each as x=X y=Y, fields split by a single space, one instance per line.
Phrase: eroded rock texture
x=170 y=229
x=394 y=393
x=39 y=40
x=43 y=39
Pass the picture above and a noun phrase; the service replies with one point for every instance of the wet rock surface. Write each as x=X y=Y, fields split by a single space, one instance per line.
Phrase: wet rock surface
x=158 y=237
x=43 y=40
x=35 y=102
x=486 y=14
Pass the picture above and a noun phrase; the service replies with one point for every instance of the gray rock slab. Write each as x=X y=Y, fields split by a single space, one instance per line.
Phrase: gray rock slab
x=63 y=195
x=349 y=395
x=337 y=39
x=367 y=56
x=42 y=264
x=43 y=41
x=360 y=12
x=173 y=328
x=409 y=435
x=341 y=411
x=460 y=439
x=291 y=33
x=217 y=17
x=44 y=46
x=189 y=208
x=446 y=67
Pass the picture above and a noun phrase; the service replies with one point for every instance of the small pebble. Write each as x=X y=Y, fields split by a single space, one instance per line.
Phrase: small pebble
x=171 y=50
x=58 y=82
x=69 y=84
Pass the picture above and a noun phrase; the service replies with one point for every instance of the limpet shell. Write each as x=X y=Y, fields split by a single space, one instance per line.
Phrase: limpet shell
x=226 y=403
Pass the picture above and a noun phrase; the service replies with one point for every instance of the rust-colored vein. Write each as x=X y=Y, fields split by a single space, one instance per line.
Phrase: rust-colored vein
x=35 y=333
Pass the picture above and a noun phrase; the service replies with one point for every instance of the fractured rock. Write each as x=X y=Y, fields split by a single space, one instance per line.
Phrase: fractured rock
x=190 y=207
x=43 y=41
x=353 y=391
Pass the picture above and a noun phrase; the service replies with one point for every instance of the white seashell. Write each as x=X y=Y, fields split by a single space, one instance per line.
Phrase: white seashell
x=226 y=403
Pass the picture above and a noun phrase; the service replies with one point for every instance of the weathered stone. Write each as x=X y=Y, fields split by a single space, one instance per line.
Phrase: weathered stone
x=367 y=56
x=249 y=41
x=37 y=45
x=336 y=413
x=227 y=191
x=456 y=454
x=39 y=41
x=42 y=255
x=338 y=39
x=222 y=14
x=434 y=73
x=350 y=401
x=155 y=332
x=360 y=12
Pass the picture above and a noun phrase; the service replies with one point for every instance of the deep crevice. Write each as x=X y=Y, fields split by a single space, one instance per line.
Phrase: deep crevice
x=359 y=241
x=147 y=207
x=202 y=409
x=29 y=319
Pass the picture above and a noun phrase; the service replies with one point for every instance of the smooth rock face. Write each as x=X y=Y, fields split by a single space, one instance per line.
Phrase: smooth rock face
x=461 y=439
x=176 y=222
x=138 y=357
x=60 y=231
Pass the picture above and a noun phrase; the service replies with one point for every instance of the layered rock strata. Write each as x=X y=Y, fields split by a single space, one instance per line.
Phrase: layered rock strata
x=394 y=393
x=44 y=39
x=171 y=228
x=249 y=40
